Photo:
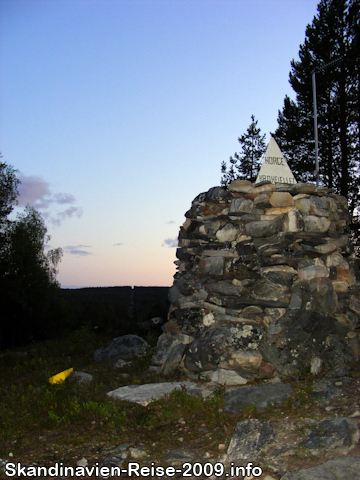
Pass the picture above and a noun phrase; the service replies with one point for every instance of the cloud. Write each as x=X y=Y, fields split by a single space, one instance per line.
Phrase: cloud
x=170 y=222
x=36 y=192
x=69 y=212
x=33 y=190
x=78 y=250
x=117 y=244
x=64 y=198
x=170 y=242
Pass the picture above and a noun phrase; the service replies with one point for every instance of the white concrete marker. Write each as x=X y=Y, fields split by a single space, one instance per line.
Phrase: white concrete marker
x=274 y=166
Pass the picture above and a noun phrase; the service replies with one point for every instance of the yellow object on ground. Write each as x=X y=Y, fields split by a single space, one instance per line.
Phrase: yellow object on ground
x=60 y=377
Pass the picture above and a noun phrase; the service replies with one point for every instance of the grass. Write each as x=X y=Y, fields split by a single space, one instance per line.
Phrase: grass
x=70 y=418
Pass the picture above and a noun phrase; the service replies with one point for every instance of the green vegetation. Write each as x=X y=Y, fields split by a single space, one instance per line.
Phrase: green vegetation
x=75 y=420
x=71 y=416
x=246 y=164
x=29 y=293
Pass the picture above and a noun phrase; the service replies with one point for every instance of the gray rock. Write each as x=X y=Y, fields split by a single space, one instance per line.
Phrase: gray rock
x=262 y=228
x=319 y=296
x=303 y=188
x=224 y=288
x=193 y=300
x=145 y=394
x=316 y=224
x=295 y=301
x=302 y=203
x=173 y=359
x=190 y=320
x=293 y=221
x=137 y=453
x=238 y=185
x=121 y=363
x=260 y=396
x=114 y=460
x=251 y=312
x=174 y=294
x=217 y=194
x=241 y=205
x=250 y=438
x=248 y=361
x=81 y=377
x=324 y=391
x=341 y=468
x=330 y=434
x=281 y=199
x=164 y=344
x=336 y=260
x=279 y=274
x=125 y=347
x=209 y=229
x=227 y=234
x=318 y=206
x=339 y=372
x=262 y=200
x=313 y=271
x=219 y=253
x=228 y=377
x=205 y=352
x=305 y=334
x=316 y=366
x=212 y=265
x=178 y=457
x=152 y=324
x=325 y=248
x=275 y=292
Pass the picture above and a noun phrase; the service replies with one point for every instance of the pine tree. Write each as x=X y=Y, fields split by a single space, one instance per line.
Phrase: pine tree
x=246 y=164
x=333 y=35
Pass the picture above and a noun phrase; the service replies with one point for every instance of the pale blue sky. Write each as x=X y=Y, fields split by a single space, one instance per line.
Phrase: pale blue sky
x=118 y=113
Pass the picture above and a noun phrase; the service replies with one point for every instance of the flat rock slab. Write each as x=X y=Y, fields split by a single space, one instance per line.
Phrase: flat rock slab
x=260 y=396
x=145 y=394
x=341 y=468
x=340 y=432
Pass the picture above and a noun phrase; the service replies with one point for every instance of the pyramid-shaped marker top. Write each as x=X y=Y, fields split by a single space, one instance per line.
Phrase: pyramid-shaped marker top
x=274 y=166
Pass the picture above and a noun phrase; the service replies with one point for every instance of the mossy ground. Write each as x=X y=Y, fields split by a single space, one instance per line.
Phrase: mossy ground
x=43 y=423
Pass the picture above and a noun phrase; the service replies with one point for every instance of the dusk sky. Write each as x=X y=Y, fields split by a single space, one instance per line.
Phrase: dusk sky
x=118 y=113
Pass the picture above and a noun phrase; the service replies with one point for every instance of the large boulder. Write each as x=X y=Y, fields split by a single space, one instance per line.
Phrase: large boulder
x=124 y=347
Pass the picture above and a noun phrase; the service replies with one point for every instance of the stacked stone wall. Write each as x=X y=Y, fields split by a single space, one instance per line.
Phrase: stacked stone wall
x=265 y=284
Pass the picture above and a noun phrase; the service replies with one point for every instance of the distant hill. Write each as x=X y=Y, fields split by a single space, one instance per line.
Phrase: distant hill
x=117 y=309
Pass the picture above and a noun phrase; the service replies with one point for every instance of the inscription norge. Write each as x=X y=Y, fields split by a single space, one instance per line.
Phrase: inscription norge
x=275 y=160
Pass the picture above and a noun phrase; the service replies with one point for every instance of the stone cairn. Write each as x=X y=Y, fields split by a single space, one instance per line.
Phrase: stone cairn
x=265 y=285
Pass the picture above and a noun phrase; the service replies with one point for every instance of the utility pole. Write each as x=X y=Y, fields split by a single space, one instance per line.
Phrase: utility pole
x=319 y=69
